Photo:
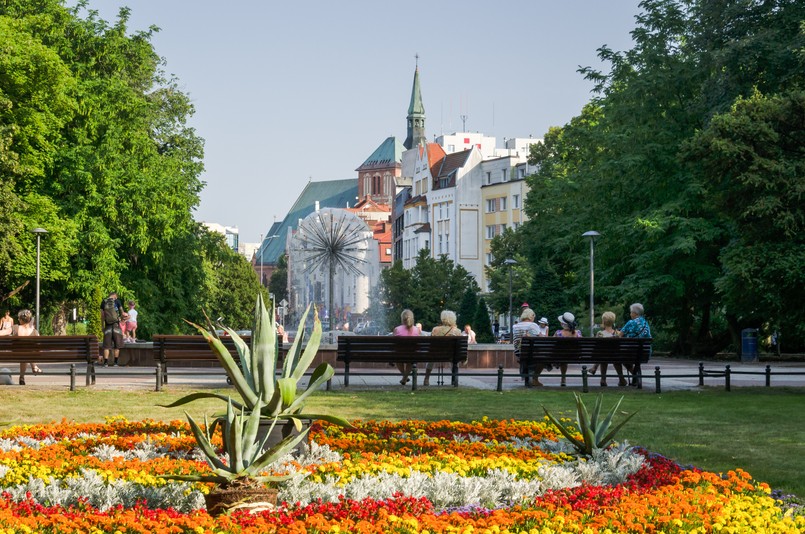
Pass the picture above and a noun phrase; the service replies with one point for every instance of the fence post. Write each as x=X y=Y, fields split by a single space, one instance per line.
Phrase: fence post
x=768 y=376
x=727 y=377
x=584 y=385
x=413 y=377
x=657 y=388
x=500 y=378
x=701 y=374
x=72 y=377
x=159 y=376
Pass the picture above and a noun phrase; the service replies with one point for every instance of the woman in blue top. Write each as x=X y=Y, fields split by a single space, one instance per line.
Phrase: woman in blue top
x=637 y=326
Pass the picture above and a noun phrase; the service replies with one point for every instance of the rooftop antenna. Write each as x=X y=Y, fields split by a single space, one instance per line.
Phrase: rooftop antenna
x=464 y=123
x=416 y=60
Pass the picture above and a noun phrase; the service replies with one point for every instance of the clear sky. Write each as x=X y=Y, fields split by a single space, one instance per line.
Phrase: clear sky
x=290 y=91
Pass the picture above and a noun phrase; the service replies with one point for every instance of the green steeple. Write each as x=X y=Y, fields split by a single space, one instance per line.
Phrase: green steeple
x=416 y=116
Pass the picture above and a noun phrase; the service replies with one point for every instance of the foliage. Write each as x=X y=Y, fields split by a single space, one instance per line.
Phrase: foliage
x=255 y=378
x=595 y=432
x=467 y=309
x=671 y=220
x=481 y=324
x=248 y=454
x=431 y=286
x=278 y=285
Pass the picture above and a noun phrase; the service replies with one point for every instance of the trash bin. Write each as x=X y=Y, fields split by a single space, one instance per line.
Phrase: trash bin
x=749 y=345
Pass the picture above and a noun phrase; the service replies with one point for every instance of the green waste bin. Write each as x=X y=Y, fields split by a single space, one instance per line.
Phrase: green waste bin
x=749 y=344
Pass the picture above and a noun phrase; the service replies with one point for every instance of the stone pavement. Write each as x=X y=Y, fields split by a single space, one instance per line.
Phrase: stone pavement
x=675 y=374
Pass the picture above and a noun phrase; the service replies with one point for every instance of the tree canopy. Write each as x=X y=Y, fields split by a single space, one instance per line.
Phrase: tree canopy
x=689 y=162
x=95 y=148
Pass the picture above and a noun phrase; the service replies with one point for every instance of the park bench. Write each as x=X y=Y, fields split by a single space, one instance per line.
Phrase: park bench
x=585 y=351
x=402 y=349
x=51 y=349
x=176 y=349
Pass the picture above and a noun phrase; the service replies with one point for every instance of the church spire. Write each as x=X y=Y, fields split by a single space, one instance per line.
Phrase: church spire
x=416 y=115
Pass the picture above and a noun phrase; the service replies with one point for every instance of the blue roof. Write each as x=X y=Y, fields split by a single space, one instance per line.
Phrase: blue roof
x=387 y=154
x=330 y=194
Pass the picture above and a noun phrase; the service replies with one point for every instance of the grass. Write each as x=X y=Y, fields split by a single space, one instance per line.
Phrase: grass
x=761 y=430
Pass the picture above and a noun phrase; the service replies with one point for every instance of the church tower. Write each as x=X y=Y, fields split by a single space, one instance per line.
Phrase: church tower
x=416 y=117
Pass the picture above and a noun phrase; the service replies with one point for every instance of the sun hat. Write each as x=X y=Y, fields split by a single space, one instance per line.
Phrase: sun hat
x=525 y=305
x=567 y=318
x=543 y=320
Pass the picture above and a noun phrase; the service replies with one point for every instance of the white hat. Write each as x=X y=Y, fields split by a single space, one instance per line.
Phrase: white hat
x=543 y=320
x=567 y=318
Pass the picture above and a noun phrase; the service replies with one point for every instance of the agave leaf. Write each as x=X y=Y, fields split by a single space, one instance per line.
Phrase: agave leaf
x=264 y=349
x=287 y=390
x=334 y=419
x=583 y=419
x=230 y=431
x=602 y=429
x=293 y=355
x=272 y=454
x=320 y=375
x=244 y=354
x=567 y=433
x=228 y=363
x=250 y=444
x=596 y=413
x=200 y=395
x=205 y=444
x=270 y=479
x=308 y=354
x=611 y=436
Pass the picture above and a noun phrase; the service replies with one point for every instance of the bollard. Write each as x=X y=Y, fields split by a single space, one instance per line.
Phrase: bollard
x=657 y=388
x=584 y=384
x=727 y=378
x=500 y=378
x=159 y=376
x=72 y=377
x=768 y=376
x=413 y=377
x=701 y=374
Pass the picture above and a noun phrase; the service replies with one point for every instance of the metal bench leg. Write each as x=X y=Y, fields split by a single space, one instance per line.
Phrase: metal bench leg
x=346 y=373
x=72 y=377
x=413 y=377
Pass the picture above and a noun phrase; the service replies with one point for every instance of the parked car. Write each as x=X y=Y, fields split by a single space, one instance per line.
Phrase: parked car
x=369 y=328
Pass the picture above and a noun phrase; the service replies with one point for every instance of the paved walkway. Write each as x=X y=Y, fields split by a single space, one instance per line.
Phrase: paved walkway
x=675 y=375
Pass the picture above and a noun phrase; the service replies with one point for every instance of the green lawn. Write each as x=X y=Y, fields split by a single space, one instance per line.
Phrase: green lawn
x=758 y=429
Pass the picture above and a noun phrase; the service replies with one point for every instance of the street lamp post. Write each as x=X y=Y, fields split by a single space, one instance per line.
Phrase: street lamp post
x=510 y=263
x=592 y=234
x=38 y=232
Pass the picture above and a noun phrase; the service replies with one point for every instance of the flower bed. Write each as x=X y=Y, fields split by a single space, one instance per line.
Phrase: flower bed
x=411 y=476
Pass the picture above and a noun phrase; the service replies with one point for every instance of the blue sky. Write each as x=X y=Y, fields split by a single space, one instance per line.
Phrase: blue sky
x=292 y=91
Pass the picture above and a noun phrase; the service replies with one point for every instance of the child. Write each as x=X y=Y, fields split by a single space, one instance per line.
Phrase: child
x=131 y=323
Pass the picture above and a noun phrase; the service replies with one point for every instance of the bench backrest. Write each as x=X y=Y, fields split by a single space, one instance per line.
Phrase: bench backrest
x=586 y=349
x=402 y=348
x=181 y=347
x=50 y=348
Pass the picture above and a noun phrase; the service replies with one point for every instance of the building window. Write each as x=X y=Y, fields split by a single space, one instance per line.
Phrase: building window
x=502 y=203
x=516 y=202
x=521 y=173
x=451 y=148
x=516 y=225
x=504 y=173
x=488 y=178
x=490 y=205
x=488 y=258
x=490 y=231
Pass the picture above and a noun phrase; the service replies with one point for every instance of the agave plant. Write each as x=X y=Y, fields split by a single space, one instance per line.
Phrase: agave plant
x=595 y=431
x=248 y=455
x=255 y=377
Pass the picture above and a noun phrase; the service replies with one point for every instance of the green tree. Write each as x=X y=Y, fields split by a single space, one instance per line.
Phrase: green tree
x=481 y=323
x=278 y=284
x=468 y=308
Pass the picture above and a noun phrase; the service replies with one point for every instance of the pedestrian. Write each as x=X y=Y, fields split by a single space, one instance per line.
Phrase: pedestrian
x=131 y=323
x=543 y=327
x=526 y=327
x=470 y=335
x=568 y=322
x=608 y=322
x=406 y=328
x=25 y=328
x=111 y=315
x=637 y=326
x=447 y=328
x=6 y=323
